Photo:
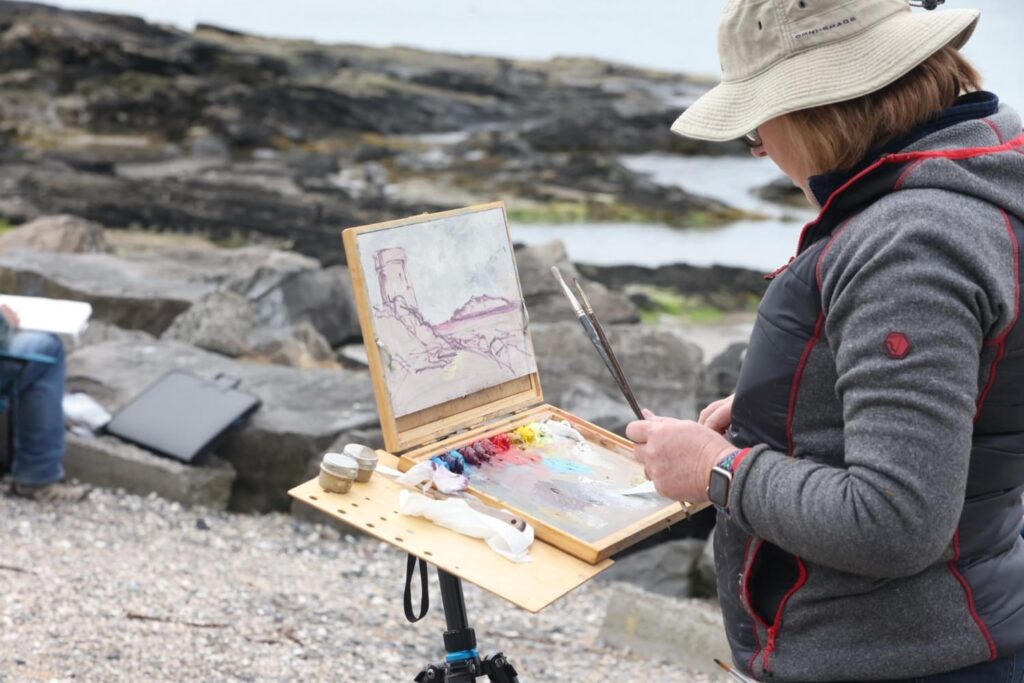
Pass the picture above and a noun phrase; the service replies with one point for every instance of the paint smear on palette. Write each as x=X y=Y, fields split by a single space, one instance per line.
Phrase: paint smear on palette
x=577 y=493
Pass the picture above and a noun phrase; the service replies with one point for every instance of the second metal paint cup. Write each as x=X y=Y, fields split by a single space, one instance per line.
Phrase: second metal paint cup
x=366 y=458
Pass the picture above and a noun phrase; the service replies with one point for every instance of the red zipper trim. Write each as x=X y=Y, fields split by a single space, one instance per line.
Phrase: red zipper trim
x=798 y=375
x=748 y=604
x=777 y=622
x=993 y=653
x=1000 y=340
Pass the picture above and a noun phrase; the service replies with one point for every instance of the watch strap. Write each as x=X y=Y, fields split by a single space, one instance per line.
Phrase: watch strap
x=730 y=463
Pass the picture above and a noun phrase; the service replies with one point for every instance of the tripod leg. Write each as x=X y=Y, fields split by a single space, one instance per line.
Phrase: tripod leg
x=498 y=669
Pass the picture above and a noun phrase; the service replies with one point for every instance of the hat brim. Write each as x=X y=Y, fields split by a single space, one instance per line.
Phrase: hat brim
x=861 y=64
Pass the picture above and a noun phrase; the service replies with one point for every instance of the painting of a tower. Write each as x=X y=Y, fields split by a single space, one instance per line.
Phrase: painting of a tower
x=448 y=312
x=392 y=279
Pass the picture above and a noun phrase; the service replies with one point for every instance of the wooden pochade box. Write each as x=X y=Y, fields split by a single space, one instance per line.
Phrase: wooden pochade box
x=452 y=362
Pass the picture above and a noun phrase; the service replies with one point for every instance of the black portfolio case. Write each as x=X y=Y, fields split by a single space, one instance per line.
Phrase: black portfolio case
x=183 y=416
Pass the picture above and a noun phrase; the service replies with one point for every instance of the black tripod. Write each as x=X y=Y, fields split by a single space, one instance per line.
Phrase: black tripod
x=463 y=663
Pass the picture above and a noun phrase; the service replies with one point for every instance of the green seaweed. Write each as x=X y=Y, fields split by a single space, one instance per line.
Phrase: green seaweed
x=658 y=303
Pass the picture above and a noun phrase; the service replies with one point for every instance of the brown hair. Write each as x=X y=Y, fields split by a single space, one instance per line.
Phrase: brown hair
x=833 y=136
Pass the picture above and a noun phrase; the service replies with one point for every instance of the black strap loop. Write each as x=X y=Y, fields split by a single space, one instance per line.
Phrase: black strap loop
x=410 y=567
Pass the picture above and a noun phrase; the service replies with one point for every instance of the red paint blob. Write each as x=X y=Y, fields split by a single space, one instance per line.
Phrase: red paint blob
x=501 y=442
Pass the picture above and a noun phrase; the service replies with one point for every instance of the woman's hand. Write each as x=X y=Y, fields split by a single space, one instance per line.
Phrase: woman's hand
x=718 y=415
x=678 y=455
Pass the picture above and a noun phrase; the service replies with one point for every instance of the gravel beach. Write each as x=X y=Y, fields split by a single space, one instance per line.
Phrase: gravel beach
x=125 y=588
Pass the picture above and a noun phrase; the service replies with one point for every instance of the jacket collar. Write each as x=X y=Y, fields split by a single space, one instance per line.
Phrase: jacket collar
x=975 y=105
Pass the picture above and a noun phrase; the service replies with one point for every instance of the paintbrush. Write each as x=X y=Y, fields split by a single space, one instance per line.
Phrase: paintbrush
x=616 y=368
x=736 y=675
x=588 y=326
x=581 y=315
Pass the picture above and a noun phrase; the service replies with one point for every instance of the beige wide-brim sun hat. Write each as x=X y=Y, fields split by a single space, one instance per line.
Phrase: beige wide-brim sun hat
x=780 y=56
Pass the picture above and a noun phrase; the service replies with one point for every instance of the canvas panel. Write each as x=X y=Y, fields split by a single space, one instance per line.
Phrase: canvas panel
x=446 y=306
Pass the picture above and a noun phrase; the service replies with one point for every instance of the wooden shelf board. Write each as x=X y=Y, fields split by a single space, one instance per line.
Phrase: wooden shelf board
x=372 y=507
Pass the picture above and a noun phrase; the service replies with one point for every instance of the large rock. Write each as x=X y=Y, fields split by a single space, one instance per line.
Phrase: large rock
x=221 y=322
x=722 y=374
x=98 y=332
x=723 y=287
x=61 y=233
x=303 y=411
x=148 y=290
x=689 y=633
x=664 y=371
x=298 y=346
x=783 y=191
x=137 y=294
x=666 y=569
x=112 y=463
x=545 y=299
x=705 y=579
x=322 y=298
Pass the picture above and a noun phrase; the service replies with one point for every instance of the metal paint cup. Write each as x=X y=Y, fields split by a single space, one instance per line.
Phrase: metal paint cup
x=337 y=472
x=366 y=457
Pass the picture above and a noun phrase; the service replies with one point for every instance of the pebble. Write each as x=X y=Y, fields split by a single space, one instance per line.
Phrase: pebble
x=128 y=588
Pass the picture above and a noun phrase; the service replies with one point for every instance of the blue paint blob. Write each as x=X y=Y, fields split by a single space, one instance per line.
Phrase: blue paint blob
x=562 y=466
x=451 y=461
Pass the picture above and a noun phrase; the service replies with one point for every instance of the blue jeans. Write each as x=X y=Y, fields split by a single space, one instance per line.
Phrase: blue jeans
x=39 y=426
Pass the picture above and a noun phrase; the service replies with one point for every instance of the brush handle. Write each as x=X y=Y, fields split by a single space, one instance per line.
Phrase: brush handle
x=616 y=369
x=588 y=326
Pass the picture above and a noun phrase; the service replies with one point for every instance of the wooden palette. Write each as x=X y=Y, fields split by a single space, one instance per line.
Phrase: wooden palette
x=630 y=521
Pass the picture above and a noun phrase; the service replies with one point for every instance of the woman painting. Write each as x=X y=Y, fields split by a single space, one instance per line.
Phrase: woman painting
x=868 y=471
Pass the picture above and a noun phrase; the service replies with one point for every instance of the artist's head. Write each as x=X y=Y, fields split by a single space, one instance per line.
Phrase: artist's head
x=817 y=84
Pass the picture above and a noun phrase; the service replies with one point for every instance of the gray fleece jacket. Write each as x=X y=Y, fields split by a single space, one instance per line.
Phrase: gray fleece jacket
x=873 y=529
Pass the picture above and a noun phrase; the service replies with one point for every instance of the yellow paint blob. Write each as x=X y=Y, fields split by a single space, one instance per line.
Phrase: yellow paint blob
x=526 y=435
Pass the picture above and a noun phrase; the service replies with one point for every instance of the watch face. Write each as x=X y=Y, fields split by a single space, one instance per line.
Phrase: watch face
x=718 y=488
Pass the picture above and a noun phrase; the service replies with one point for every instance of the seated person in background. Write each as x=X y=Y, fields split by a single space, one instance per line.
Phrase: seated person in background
x=39 y=431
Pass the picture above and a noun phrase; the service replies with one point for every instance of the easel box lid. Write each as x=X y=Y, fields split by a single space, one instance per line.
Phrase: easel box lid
x=407 y=276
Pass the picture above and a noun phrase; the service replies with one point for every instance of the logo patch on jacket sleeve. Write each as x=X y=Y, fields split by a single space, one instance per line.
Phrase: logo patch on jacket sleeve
x=897 y=346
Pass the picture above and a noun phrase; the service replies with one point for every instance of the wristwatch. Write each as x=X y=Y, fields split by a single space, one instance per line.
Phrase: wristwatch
x=721 y=481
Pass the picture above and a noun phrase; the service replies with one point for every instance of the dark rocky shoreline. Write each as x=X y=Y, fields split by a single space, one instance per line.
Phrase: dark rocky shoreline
x=133 y=124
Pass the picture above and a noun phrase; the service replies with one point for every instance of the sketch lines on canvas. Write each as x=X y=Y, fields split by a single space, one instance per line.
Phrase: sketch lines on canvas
x=445 y=332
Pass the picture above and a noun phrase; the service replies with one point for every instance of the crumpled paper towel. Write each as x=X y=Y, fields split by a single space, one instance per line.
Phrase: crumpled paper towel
x=457 y=515
x=427 y=474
